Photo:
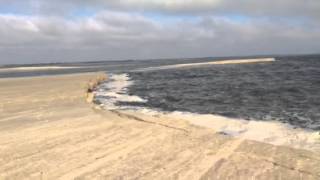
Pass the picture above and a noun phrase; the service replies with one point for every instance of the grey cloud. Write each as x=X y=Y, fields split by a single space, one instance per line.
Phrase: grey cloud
x=120 y=35
x=265 y=8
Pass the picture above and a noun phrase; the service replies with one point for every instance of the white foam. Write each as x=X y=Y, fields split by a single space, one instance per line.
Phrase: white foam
x=265 y=131
x=117 y=91
x=271 y=132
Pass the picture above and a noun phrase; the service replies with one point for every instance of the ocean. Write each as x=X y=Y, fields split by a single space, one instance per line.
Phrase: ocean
x=286 y=90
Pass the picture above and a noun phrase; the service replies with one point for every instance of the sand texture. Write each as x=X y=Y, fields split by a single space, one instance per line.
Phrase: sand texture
x=49 y=131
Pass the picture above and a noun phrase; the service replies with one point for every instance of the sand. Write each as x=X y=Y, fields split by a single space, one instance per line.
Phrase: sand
x=40 y=68
x=216 y=62
x=49 y=131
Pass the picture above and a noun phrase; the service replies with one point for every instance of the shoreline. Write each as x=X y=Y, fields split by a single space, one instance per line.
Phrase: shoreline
x=50 y=131
x=39 y=68
x=272 y=132
x=216 y=62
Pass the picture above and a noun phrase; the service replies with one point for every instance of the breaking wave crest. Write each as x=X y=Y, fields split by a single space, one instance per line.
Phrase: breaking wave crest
x=113 y=91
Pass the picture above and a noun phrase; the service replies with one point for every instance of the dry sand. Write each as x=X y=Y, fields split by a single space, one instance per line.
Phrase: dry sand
x=49 y=131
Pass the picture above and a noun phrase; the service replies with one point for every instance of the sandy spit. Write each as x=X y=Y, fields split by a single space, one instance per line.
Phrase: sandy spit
x=217 y=62
x=40 y=68
x=49 y=131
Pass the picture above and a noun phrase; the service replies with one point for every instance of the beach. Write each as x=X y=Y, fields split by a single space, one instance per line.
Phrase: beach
x=50 y=129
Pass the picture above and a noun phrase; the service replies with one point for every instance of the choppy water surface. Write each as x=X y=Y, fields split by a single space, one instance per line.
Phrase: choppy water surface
x=287 y=90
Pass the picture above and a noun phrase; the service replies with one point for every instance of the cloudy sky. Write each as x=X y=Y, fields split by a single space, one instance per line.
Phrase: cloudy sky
x=33 y=31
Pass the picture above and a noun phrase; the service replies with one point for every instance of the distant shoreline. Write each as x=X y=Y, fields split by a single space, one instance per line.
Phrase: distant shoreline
x=35 y=68
x=216 y=62
x=164 y=58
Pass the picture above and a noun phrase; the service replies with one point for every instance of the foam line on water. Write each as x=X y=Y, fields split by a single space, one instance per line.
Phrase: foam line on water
x=115 y=90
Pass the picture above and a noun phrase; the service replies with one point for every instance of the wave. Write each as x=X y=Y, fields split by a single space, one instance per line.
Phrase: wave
x=109 y=94
x=114 y=90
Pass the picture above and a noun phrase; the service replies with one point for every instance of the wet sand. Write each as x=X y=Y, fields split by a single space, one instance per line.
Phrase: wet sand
x=49 y=131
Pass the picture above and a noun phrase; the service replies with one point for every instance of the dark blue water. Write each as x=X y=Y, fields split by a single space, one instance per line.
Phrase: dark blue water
x=287 y=90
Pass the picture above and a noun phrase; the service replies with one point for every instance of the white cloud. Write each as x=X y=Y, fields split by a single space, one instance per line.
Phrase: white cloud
x=265 y=8
x=120 y=35
x=77 y=30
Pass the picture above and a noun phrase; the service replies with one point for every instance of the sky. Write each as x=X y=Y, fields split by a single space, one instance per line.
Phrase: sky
x=42 y=31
